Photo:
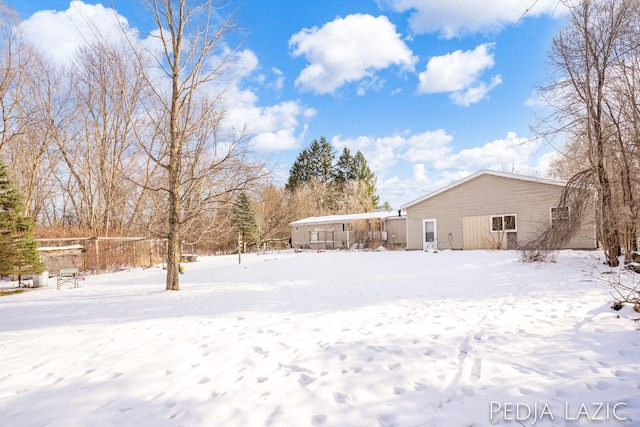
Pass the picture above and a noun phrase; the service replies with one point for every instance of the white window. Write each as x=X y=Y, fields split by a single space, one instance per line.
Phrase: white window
x=503 y=223
x=559 y=216
x=314 y=236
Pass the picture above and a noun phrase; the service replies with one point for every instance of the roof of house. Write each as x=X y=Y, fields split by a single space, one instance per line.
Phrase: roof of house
x=329 y=219
x=481 y=173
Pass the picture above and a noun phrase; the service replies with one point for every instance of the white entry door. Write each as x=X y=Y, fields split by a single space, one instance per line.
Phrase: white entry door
x=429 y=235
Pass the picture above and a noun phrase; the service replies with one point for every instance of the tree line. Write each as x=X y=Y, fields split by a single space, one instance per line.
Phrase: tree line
x=130 y=138
x=594 y=95
x=345 y=185
x=126 y=138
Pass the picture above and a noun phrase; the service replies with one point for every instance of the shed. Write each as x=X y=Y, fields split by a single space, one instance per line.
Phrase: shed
x=491 y=210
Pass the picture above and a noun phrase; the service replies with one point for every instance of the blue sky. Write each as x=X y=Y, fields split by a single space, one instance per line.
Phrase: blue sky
x=429 y=91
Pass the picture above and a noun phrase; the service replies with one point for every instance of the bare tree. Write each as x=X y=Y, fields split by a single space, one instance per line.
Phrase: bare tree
x=202 y=163
x=588 y=56
x=16 y=57
x=29 y=96
x=273 y=213
x=97 y=145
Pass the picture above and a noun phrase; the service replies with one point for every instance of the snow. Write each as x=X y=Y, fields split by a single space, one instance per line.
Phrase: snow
x=347 y=217
x=454 y=338
x=59 y=248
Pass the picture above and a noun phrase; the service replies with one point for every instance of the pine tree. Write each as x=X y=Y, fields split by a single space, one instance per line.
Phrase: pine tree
x=334 y=185
x=299 y=173
x=18 y=249
x=244 y=218
x=345 y=169
x=364 y=174
x=350 y=168
x=385 y=207
x=315 y=162
x=321 y=158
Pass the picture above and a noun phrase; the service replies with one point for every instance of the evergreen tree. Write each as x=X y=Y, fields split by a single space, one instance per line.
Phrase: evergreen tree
x=385 y=207
x=345 y=169
x=321 y=160
x=364 y=174
x=18 y=249
x=299 y=172
x=313 y=162
x=244 y=217
x=333 y=185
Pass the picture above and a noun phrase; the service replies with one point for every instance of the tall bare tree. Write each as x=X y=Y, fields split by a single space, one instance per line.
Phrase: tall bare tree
x=97 y=147
x=15 y=59
x=27 y=92
x=589 y=55
x=202 y=163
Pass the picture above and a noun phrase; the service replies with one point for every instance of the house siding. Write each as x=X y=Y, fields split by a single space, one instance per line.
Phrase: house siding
x=488 y=195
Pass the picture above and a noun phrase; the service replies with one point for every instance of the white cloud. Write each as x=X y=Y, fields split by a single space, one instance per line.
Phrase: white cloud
x=434 y=151
x=427 y=146
x=476 y=93
x=419 y=172
x=381 y=153
x=245 y=62
x=454 y=18
x=348 y=50
x=511 y=154
x=278 y=84
x=459 y=72
x=277 y=127
x=409 y=166
x=61 y=34
x=282 y=139
x=273 y=128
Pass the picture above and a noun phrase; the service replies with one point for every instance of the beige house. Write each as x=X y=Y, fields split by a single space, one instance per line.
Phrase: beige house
x=490 y=210
x=371 y=230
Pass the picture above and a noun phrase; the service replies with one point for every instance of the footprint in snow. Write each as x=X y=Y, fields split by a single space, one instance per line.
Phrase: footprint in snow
x=525 y=391
x=420 y=386
x=341 y=398
x=261 y=351
x=318 y=420
x=600 y=385
x=386 y=420
x=305 y=380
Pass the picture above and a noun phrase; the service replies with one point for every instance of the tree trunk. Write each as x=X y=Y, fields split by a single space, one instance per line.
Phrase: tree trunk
x=175 y=163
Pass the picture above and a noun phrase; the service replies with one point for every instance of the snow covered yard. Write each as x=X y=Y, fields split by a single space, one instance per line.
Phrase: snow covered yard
x=336 y=338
